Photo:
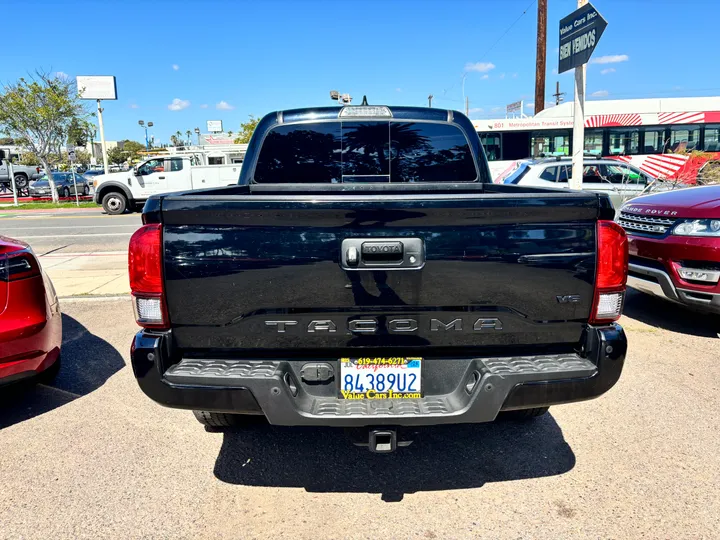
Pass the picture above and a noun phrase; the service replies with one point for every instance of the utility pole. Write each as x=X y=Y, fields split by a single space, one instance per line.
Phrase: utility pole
x=578 y=123
x=467 y=106
x=558 y=94
x=430 y=100
x=540 y=56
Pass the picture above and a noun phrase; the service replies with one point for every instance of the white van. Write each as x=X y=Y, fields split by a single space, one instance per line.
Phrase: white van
x=126 y=190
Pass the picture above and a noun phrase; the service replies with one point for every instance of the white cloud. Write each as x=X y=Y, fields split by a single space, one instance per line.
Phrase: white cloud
x=606 y=71
x=179 y=104
x=62 y=75
x=611 y=59
x=175 y=67
x=514 y=75
x=204 y=106
x=486 y=76
x=600 y=93
x=530 y=105
x=502 y=76
x=134 y=106
x=497 y=109
x=482 y=67
x=476 y=110
x=224 y=106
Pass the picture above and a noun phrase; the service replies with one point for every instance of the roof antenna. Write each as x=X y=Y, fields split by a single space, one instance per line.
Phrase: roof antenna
x=364 y=101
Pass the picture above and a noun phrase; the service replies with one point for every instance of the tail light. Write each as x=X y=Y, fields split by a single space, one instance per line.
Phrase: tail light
x=146 y=277
x=612 y=270
x=18 y=265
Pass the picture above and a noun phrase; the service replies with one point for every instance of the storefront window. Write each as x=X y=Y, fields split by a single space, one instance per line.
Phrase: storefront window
x=624 y=141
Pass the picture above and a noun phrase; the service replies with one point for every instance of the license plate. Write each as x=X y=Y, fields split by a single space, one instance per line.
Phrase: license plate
x=380 y=378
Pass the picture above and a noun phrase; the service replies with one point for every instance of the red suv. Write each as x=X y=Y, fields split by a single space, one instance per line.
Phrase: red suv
x=30 y=319
x=674 y=243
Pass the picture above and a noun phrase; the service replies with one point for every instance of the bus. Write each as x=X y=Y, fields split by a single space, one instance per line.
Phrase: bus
x=672 y=139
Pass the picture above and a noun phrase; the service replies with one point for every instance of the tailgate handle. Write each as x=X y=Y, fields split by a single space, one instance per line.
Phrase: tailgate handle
x=382 y=253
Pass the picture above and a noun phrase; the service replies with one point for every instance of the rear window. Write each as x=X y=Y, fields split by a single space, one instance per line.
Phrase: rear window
x=365 y=151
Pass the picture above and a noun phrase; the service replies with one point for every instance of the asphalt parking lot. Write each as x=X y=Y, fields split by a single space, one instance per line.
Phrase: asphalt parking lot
x=92 y=457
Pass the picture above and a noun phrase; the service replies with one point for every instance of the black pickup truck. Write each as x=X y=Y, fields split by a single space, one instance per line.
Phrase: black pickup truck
x=366 y=272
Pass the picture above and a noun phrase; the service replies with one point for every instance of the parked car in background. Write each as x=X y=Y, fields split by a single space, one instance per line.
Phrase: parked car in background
x=30 y=319
x=64 y=185
x=674 y=244
x=23 y=175
x=621 y=181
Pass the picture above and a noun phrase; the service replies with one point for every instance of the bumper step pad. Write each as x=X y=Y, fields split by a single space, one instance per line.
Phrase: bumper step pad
x=268 y=382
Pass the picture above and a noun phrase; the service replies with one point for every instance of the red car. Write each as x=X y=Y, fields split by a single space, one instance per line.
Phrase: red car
x=30 y=319
x=674 y=244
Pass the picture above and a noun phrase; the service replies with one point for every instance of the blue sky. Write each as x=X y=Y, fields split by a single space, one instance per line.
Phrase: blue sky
x=181 y=63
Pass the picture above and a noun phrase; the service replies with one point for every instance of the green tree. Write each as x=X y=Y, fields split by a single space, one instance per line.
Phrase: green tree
x=188 y=133
x=38 y=112
x=82 y=157
x=117 y=155
x=246 y=130
x=131 y=149
x=7 y=140
x=80 y=131
x=29 y=159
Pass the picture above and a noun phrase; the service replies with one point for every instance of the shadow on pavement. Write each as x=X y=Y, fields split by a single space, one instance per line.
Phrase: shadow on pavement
x=441 y=458
x=669 y=316
x=87 y=362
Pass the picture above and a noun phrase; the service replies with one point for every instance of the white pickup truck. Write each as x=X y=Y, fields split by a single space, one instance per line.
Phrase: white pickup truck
x=128 y=190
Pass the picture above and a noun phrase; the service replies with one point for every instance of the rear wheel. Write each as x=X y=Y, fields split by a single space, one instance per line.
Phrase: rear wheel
x=21 y=181
x=114 y=203
x=86 y=190
x=522 y=414
x=219 y=420
x=66 y=193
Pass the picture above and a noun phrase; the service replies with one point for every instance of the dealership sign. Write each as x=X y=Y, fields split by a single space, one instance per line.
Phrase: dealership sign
x=579 y=34
x=96 y=86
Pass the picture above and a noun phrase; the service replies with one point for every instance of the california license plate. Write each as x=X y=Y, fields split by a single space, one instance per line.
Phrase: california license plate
x=381 y=377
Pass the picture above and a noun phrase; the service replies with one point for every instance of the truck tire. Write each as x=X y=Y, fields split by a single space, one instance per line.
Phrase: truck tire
x=86 y=190
x=522 y=414
x=218 y=420
x=114 y=203
x=21 y=181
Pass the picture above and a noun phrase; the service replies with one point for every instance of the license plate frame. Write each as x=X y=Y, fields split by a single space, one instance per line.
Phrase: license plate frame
x=380 y=377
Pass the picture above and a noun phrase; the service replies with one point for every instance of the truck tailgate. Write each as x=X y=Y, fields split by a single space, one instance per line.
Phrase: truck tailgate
x=257 y=272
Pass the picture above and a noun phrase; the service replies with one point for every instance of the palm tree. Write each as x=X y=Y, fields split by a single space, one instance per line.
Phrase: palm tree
x=230 y=133
x=188 y=133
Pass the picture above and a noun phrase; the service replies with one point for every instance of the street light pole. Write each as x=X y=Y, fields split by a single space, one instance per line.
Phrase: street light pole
x=197 y=132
